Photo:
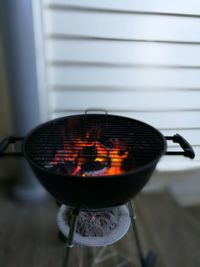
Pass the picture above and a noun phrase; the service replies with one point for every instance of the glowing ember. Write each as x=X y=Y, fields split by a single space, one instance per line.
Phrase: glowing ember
x=89 y=157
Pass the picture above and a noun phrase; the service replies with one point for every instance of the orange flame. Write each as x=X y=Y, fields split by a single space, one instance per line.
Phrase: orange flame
x=111 y=158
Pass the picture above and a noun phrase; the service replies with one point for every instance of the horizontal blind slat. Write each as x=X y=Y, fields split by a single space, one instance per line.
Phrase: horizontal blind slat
x=108 y=76
x=124 y=100
x=120 y=52
x=122 y=26
x=170 y=6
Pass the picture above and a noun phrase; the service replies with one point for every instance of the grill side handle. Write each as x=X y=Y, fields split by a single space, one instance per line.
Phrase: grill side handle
x=6 y=142
x=187 y=148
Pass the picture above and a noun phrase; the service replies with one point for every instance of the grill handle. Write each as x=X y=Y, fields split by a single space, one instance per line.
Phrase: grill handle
x=187 y=148
x=6 y=142
x=96 y=110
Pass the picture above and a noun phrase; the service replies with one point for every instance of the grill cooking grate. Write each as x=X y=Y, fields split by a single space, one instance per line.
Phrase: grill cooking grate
x=143 y=144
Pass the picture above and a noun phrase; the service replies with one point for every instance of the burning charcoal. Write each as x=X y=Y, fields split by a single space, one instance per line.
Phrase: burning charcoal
x=106 y=142
x=90 y=152
x=94 y=168
x=69 y=167
x=97 y=172
x=64 y=167
x=122 y=152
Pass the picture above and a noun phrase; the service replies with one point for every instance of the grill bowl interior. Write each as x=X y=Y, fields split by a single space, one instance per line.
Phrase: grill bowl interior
x=145 y=146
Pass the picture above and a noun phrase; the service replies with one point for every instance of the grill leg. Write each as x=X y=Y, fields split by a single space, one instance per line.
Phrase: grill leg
x=150 y=260
x=69 y=243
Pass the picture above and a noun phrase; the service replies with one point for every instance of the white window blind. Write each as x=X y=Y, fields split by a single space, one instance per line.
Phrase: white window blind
x=139 y=59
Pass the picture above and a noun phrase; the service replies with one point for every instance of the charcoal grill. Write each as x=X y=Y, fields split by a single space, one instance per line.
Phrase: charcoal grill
x=95 y=161
x=52 y=148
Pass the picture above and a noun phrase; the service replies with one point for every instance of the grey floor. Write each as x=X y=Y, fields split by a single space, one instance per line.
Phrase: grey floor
x=29 y=237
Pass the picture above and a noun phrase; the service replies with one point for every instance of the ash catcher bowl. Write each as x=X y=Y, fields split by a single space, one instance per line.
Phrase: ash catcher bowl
x=95 y=228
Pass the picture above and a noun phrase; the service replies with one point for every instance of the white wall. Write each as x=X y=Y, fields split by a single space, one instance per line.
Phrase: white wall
x=134 y=58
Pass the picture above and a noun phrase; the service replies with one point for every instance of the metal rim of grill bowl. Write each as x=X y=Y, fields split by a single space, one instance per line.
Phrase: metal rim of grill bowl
x=28 y=137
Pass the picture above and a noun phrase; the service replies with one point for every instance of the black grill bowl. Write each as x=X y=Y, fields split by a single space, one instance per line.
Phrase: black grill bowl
x=145 y=144
x=94 y=192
